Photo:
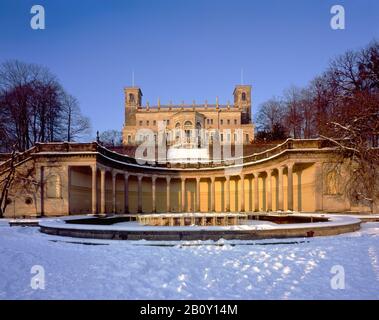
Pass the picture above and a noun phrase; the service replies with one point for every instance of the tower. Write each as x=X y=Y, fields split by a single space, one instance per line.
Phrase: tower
x=242 y=100
x=133 y=101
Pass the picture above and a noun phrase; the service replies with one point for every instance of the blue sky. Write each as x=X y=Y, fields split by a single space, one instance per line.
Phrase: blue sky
x=181 y=50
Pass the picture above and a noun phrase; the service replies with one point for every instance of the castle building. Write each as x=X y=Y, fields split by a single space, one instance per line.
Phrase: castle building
x=214 y=121
x=53 y=179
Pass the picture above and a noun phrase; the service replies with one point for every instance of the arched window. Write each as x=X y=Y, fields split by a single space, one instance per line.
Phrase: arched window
x=131 y=97
x=188 y=127
x=243 y=96
x=53 y=186
x=198 y=134
x=177 y=131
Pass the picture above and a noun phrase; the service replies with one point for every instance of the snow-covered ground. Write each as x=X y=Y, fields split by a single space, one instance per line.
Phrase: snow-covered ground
x=265 y=269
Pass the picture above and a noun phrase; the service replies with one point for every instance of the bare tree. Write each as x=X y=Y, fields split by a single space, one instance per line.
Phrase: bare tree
x=6 y=182
x=270 y=113
x=293 y=118
x=75 y=125
x=353 y=126
x=111 y=138
x=35 y=108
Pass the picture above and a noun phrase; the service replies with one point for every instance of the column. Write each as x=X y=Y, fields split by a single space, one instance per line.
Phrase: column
x=114 y=192
x=280 y=189
x=269 y=190
x=183 y=207
x=139 y=210
x=168 y=205
x=290 y=186
x=126 y=193
x=318 y=187
x=94 y=189
x=256 y=191
x=197 y=194
x=242 y=177
x=153 y=179
x=102 y=191
x=43 y=188
x=212 y=194
x=68 y=191
x=227 y=195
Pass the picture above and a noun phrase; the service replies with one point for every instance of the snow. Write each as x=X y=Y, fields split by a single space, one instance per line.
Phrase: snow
x=262 y=269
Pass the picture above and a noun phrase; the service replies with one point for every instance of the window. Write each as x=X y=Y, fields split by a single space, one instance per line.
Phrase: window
x=235 y=137
x=168 y=122
x=222 y=137
x=235 y=121
x=207 y=121
x=222 y=121
x=154 y=123
x=243 y=96
x=131 y=98
x=140 y=122
x=211 y=121
x=247 y=138
x=228 y=121
x=147 y=122
x=129 y=139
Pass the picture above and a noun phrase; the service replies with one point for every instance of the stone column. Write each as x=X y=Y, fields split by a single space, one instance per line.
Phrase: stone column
x=43 y=189
x=114 y=192
x=67 y=190
x=280 y=189
x=290 y=186
x=227 y=194
x=183 y=204
x=139 y=210
x=256 y=191
x=168 y=205
x=126 y=192
x=94 y=189
x=197 y=194
x=212 y=194
x=102 y=191
x=269 y=190
x=242 y=177
x=153 y=179
x=318 y=187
